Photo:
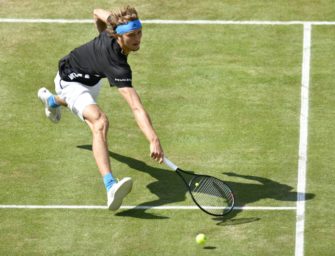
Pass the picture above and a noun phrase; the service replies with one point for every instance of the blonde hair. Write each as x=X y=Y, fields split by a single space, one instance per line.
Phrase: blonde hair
x=119 y=16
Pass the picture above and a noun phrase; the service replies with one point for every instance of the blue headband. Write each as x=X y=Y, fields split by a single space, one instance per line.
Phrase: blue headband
x=129 y=26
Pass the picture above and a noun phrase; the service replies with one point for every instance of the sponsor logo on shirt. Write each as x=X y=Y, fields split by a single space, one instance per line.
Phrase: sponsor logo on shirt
x=122 y=79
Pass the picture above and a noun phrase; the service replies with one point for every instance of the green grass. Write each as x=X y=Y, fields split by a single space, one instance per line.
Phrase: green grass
x=210 y=127
x=322 y=141
x=90 y=232
x=186 y=9
x=225 y=101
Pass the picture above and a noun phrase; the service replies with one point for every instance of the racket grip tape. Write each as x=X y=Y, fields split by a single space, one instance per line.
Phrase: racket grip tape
x=170 y=164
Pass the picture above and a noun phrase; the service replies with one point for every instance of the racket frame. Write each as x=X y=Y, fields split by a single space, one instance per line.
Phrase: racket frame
x=180 y=173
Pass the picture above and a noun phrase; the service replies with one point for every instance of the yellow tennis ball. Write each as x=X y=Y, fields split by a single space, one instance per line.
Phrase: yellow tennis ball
x=201 y=239
x=196 y=184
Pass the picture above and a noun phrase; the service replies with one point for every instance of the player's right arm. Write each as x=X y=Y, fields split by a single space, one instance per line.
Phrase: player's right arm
x=144 y=122
x=101 y=19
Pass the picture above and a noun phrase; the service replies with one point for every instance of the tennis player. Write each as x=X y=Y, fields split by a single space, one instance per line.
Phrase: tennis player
x=78 y=83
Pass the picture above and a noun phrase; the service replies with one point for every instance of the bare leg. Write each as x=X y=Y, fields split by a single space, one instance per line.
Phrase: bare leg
x=98 y=123
x=60 y=101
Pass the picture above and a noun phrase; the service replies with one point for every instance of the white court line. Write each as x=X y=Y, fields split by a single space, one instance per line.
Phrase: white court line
x=302 y=162
x=143 y=207
x=190 y=22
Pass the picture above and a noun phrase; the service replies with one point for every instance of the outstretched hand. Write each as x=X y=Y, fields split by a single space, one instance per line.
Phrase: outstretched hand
x=156 y=151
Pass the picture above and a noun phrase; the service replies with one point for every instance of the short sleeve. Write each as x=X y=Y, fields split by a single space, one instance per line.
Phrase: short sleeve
x=120 y=75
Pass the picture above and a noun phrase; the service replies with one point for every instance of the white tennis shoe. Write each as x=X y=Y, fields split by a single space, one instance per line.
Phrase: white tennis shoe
x=53 y=114
x=118 y=192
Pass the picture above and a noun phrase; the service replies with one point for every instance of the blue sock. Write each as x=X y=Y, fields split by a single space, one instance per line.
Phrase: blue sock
x=52 y=102
x=109 y=181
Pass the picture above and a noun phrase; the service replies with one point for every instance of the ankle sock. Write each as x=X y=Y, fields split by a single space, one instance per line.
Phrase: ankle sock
x=109 y=181
x=52 y=102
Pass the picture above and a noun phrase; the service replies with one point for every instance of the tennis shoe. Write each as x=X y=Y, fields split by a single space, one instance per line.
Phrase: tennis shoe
x=118 y=192
x=53 y=114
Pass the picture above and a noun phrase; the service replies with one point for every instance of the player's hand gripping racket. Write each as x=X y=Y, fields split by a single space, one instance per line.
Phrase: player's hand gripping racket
x=210 y=194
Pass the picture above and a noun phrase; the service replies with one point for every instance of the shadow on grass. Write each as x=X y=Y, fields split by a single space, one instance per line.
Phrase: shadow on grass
x=169 y=188
x=210 y=247
x=247 y=193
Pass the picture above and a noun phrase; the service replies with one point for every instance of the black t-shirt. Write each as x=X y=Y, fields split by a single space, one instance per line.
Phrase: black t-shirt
x=99 y=58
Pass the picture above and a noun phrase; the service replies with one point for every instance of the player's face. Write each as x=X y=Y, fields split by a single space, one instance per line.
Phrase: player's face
x=131 y=41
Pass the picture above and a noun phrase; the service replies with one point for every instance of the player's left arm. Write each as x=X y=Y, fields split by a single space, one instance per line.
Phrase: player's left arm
x=101 y=19
x=144 y=122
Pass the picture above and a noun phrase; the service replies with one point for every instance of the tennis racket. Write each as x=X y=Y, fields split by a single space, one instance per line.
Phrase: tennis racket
x=210 y=194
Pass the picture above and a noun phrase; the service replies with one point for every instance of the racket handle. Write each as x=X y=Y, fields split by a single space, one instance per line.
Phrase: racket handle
x=170 y=164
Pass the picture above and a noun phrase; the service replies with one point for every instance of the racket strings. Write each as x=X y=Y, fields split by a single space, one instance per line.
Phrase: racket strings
x=212 y=194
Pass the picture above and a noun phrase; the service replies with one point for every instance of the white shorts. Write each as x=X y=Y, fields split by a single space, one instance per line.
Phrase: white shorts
x=77 y=95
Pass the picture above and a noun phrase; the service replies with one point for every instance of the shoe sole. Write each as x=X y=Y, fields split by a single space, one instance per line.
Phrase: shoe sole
x=124 y=189
x=53 y=116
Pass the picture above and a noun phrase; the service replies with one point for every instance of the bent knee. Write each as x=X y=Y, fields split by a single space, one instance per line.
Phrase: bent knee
x=101 y=123
x=96 y=118
x=98 y=122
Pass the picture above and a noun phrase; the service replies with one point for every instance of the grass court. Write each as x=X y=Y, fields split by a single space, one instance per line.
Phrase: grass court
x=225 y=100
